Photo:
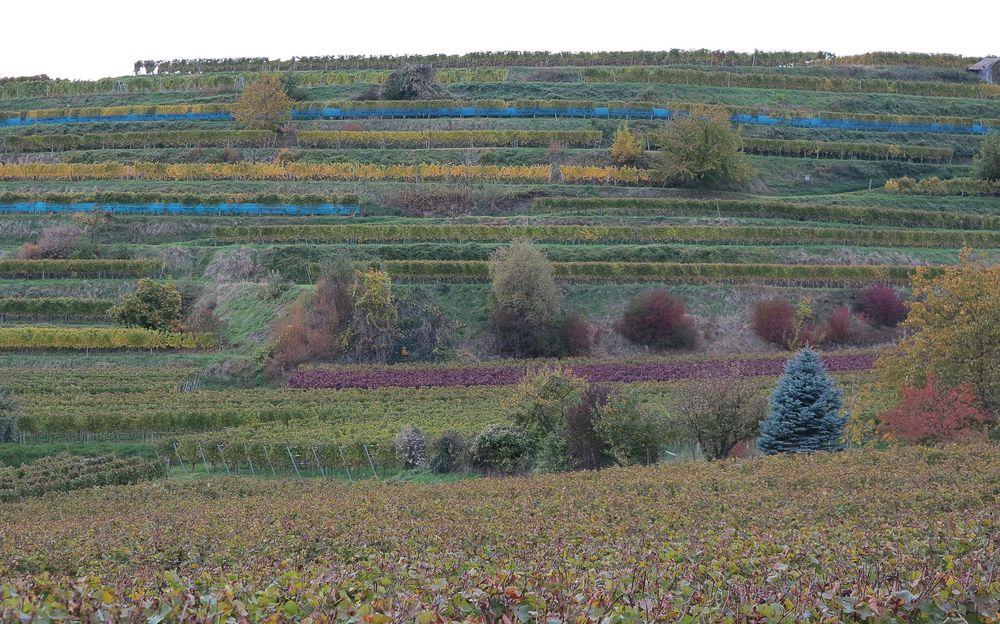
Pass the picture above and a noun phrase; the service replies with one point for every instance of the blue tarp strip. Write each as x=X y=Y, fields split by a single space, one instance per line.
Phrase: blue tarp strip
x=510 y=112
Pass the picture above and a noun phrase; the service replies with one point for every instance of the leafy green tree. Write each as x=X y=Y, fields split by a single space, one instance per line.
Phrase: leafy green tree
x=720 y=413
x=8 y=416
x=263 y=105
x=625 y=149
x=525 y=303
x=805 y=409
x=540 y=405
x=988 y=160
x=702 y=149
x=153 y=305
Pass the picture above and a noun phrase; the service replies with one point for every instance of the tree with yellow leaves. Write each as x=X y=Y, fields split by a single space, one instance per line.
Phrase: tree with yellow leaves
x=625 y=149
x=264 y=104
x=375 y=325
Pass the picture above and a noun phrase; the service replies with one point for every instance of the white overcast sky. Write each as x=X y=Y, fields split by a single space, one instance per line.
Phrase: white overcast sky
x=74 y=39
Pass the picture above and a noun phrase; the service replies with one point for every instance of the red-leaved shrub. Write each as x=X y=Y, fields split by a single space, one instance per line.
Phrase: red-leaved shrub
x=932 y=415
x=881 y=305
x=845 y=327
x=657 y=319
x=838 y=325
x=773 y=319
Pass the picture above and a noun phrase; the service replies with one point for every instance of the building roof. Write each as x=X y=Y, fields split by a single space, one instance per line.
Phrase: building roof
x=983 y=64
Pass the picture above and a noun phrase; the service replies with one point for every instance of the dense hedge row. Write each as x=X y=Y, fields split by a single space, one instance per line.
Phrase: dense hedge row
x=145 y=197
x=937 y=186
x=482 y=59
x=326 y=171
x=808 y=274
x=449 y=138
x=32 y=269
x=36 y=307
x=62 y=473
x=133 y=140
x=761 y=80
x=766 y=209
x=78 y=338
x=223 y=82
x=750 y=235
x=846 y=150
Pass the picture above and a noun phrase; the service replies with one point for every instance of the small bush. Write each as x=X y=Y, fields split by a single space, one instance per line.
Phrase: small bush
x=54 y=242
x=425 y=333
x=720 y=413
x=584 y=446
x=934 y=415
x=659 y=320
x=501 y=449
x=988 y=159
x=8 y=416
x=310 y=329
x=449 y=452
x=232 y=155
x=631 y=434
x=843 y=327
x=202 y=319
x=577 y=335
x=232 y=265
x=625 y=148
x=153 y=305
x=882 y=305
x=411 y=448
x=412 y=82
x=773 y=319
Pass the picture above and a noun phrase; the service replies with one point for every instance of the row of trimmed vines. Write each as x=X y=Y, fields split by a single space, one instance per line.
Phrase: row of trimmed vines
x=145 y=197
x=806 y=274
x=742 y=234
x=80 y=338
x=326 y=171
x=47 y=307
x=847 y=150
x=73 y=268
x=765 y=209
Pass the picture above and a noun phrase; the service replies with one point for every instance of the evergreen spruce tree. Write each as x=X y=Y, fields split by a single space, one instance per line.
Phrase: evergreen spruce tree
x=805 y=409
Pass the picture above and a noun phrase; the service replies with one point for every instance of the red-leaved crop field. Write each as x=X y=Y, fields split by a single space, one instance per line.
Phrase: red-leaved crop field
x=413 y=377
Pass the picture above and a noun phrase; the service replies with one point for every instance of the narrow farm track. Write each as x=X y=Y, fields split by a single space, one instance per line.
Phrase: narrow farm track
x=603 y=372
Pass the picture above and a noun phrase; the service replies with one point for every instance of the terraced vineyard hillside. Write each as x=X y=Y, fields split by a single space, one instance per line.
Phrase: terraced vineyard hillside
x=339 y=274
x=150 y=176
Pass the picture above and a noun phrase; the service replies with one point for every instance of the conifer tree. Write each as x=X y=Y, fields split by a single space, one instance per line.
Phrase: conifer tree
x=805 y=409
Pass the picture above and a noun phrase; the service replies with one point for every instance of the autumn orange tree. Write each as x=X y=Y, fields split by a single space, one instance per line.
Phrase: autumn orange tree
x=953 y=335
x=264 y=104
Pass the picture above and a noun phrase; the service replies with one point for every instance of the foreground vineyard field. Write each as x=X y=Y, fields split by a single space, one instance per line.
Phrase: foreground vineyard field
x=839 y=541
